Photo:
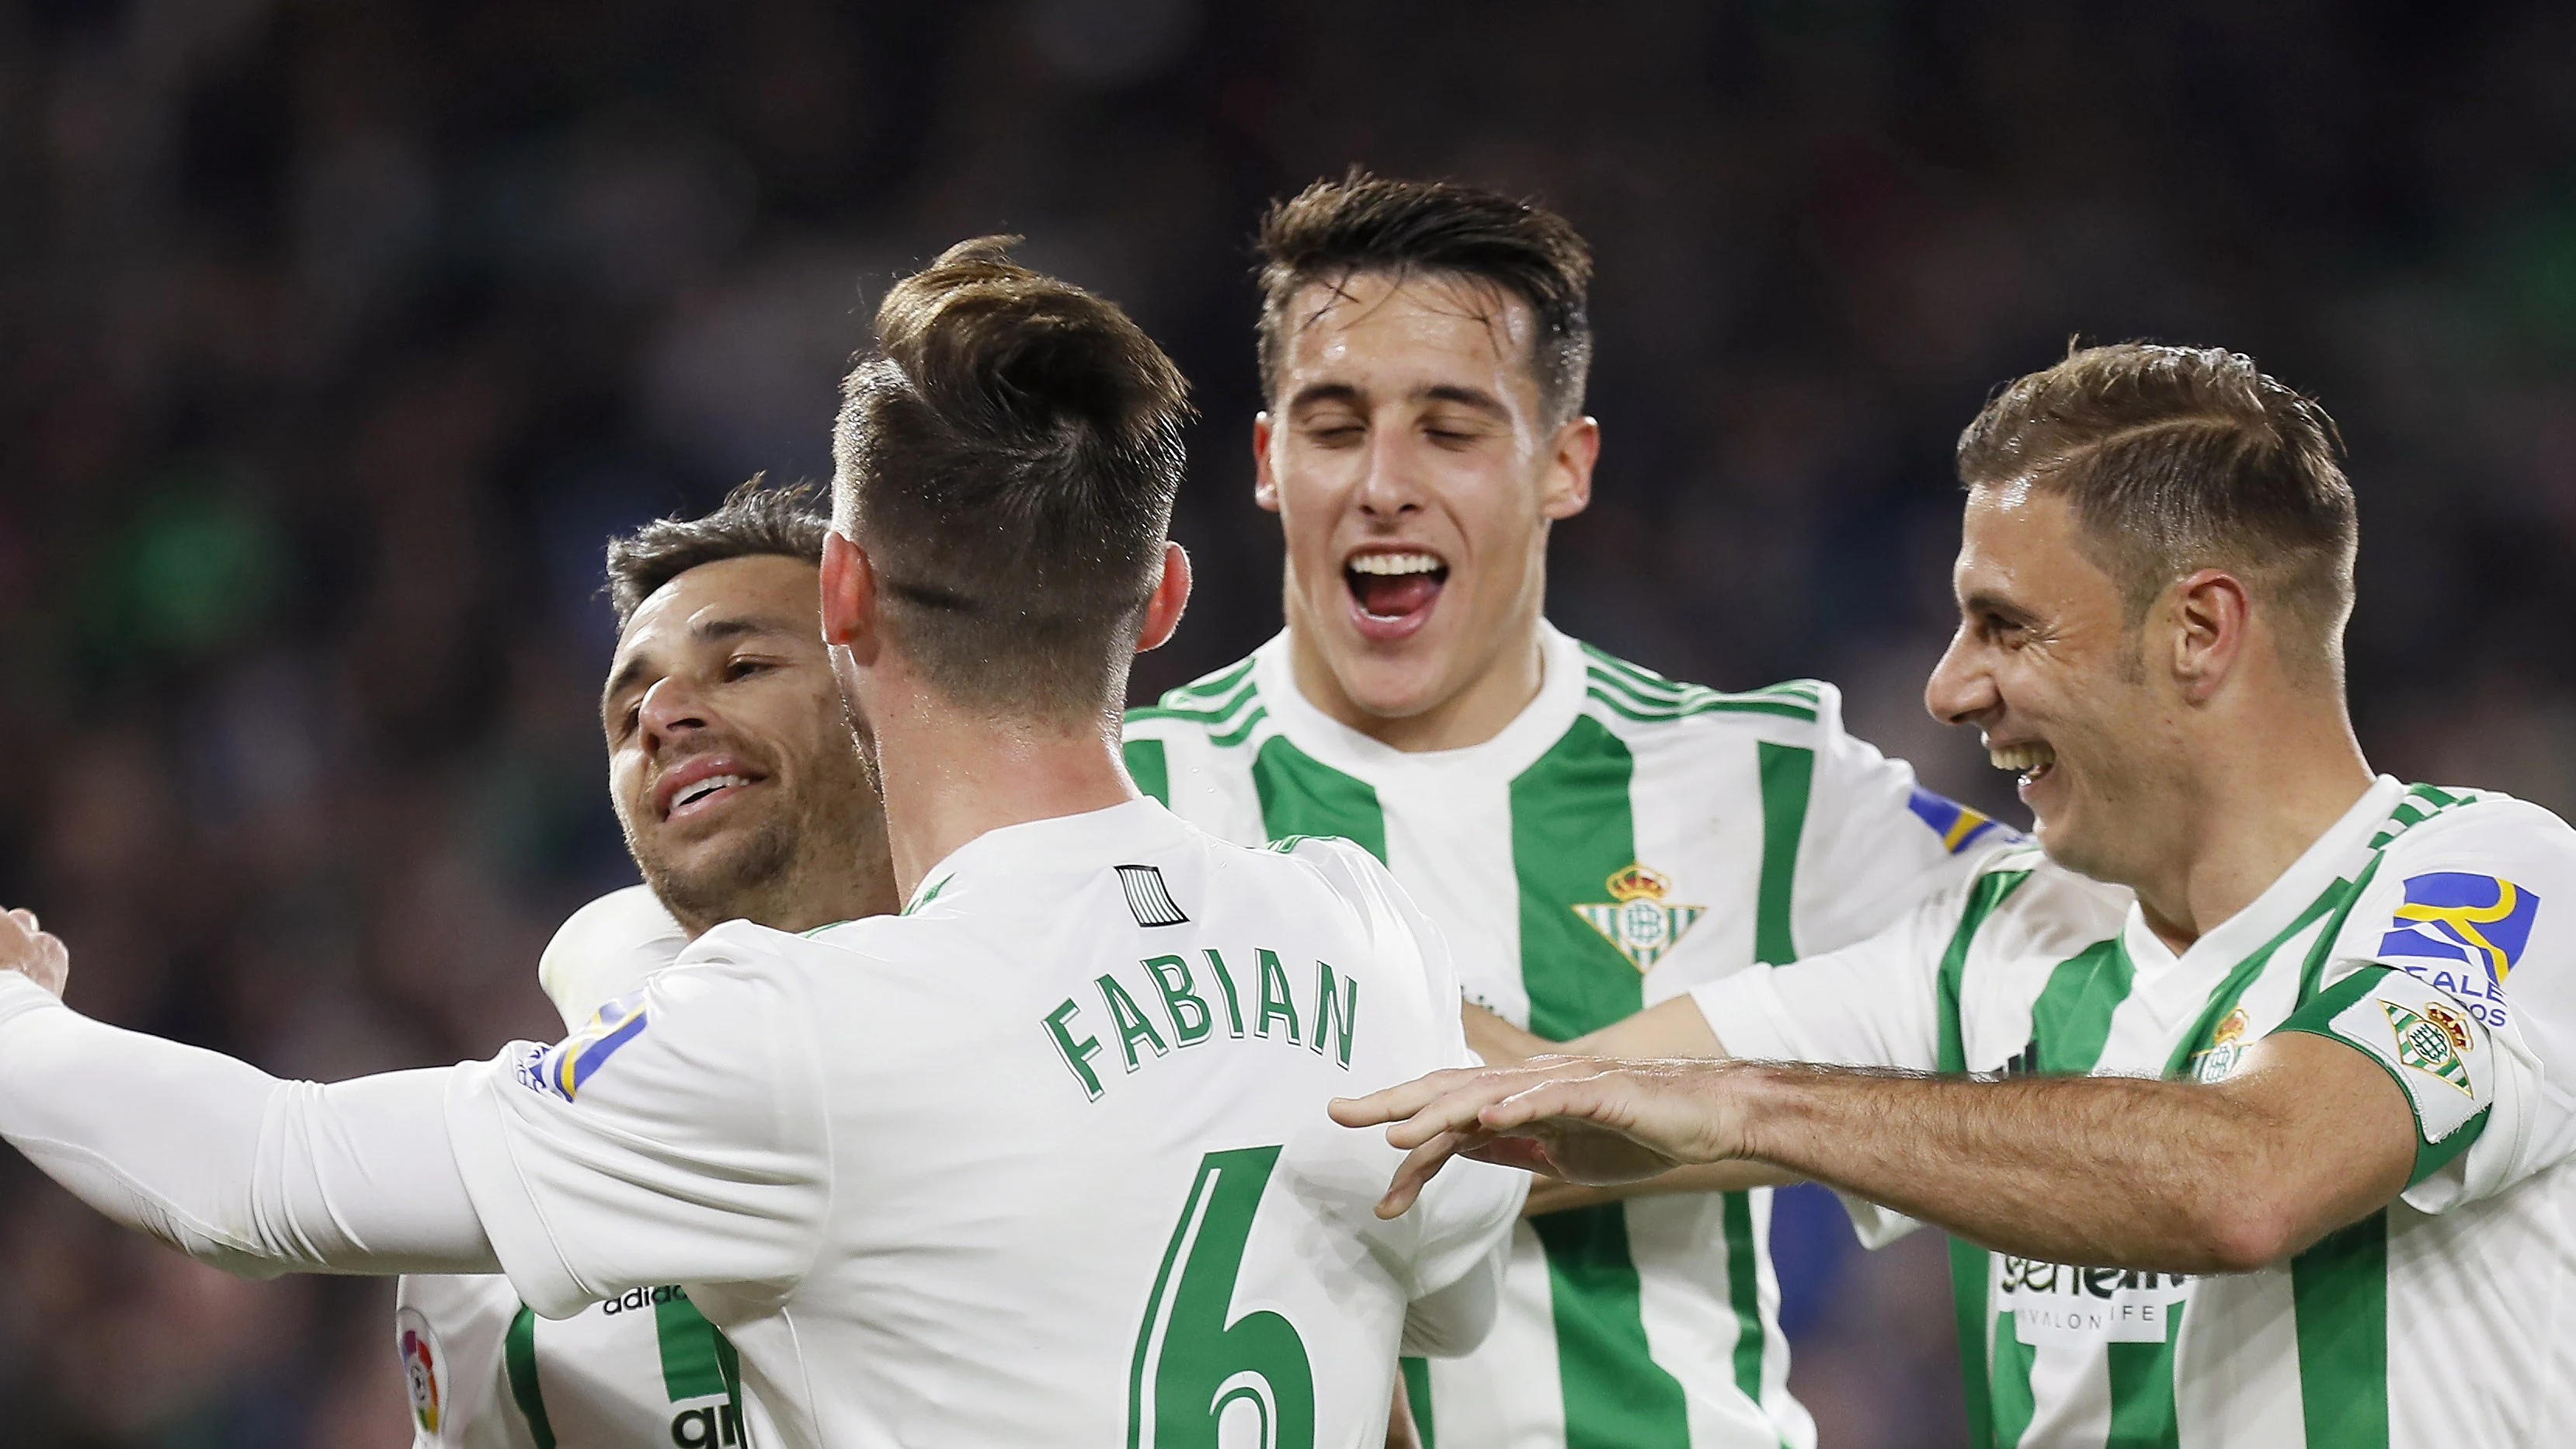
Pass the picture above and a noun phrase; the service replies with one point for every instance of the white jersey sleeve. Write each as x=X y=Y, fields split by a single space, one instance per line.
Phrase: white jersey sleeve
x=1876 y=842
x=1451 y=1246
x=678 y=1137
x=2473 y=917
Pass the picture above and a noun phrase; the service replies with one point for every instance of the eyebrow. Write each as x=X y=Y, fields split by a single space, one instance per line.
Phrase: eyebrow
x=1448 y=392
x=706 y=630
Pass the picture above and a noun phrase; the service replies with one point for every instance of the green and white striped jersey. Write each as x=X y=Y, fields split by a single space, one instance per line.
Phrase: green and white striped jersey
x=1625 y=838
x=485 y=1372
x=2431 y=1322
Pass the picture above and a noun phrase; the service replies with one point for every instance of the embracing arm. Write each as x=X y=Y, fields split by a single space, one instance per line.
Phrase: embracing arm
x=218 y=1159
x=2309 y=1135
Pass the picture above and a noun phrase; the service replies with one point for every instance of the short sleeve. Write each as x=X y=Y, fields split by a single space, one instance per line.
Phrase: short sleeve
x=1876 y=843
x=605 y=950
x=1875 y=1004
x=2472 y=915
x=679 y=1136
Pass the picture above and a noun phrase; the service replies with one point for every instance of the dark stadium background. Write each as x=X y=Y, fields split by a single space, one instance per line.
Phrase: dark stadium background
x=334 y=338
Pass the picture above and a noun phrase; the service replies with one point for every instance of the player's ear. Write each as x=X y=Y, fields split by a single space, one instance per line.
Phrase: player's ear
x=1567 y=488
x=2211 y=614
x=1265 y=489
x=1171 y=595
x=849 y=595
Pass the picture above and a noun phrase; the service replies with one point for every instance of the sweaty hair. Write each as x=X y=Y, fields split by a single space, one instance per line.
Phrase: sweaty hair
x=754 y=519
x=2181 y=458
x=1334 y=230
x=1008 y=458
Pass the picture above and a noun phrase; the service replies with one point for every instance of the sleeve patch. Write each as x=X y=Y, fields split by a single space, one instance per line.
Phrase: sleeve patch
x=2478 y=921
x=2427 y=1042
x=561 y=1069
x=1958 y=826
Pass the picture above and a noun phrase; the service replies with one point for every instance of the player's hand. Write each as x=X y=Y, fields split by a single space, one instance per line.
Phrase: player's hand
x=1498 y=1041
x=27 y=950
x=1578 y=1119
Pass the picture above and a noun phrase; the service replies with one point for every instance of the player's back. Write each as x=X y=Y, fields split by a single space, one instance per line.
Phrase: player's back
x=1083 y=1187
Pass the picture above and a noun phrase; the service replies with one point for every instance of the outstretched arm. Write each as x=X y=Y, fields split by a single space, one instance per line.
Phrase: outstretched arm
x=2309 y=1135
x=218 y=1159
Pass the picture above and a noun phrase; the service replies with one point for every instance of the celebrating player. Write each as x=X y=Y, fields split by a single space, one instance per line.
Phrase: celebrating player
x=1590 y=836
x=1040 y=1160
x=743 y=797
x=2317 y=1191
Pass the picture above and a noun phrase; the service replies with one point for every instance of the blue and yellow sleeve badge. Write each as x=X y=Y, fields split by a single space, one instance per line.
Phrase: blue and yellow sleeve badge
x=2472 y=920
x=561 y=1069
x=1958 y=826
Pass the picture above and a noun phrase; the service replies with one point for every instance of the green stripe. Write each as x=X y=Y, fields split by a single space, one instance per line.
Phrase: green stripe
x=519 y=1358
x=1301 y=796
x=1711 y=703
x=1150 y=768
x=2315 y=969
x=1616 y=1395
x=1209 y=715
x=689 y=1368
x=1417 y=1396
x=2012 y=1408
x=1969 y=1266
x=1646 y=682
x=2223 y=1000
x=1787 y=772
x=1241 y=732
x=1744 y=1291
x=2142 y=1390
x=2339 y=1294
x=1209 y=686
x=1572 y=829
x=2071 y=1019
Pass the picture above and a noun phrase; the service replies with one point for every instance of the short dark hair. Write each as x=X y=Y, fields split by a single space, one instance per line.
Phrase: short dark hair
x=2182 y=458
x=1008 y=457
x=1333 y=230
x=754 y=519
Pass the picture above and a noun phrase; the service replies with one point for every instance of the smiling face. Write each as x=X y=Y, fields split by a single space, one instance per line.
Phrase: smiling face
x=1415 y=472
x=2043 y=666
x=730 y=758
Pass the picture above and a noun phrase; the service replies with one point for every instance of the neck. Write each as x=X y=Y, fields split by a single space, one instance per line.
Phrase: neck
x=950 y=775
x=2249 y=809
x=1482 y=708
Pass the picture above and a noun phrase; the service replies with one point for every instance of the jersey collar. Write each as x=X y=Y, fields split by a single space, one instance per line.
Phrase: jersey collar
x=1056 y=844
x=2326 y=860
x=1540 y=724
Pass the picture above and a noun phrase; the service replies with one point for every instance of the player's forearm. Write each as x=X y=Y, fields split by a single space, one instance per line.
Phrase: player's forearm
x=226 y=1163
x=2101 y=1171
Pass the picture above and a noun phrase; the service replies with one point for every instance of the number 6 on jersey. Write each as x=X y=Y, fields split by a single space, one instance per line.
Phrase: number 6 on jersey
x=1192 y=1366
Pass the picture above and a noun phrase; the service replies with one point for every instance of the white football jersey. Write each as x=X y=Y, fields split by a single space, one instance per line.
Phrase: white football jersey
x=1042 y=1160
x=645 y=1368
x=2429 y=929
x=1624 y=839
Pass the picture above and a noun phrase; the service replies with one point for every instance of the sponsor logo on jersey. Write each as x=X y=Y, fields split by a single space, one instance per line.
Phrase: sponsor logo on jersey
x=424 y=1367
x=2480 y=921
x=1958 y=826
x=2056 y=1303
x=2430 y=1047
x=1636 y=919
x=561 y=1069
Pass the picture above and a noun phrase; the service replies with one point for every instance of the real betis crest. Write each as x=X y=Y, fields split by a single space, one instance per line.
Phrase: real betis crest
x=1636 y=920
x=2426 y=1047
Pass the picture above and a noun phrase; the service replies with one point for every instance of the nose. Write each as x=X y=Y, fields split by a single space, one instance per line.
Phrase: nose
x=672 y=708
x=1961 y=689
x=1389 y=487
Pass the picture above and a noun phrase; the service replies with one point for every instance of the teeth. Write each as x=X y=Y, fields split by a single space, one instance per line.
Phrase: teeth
x=2022 y=759
x=1395 y=563
x=703 y=788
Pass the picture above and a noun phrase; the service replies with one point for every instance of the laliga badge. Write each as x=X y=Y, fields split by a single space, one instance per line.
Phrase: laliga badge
x=424 y=1364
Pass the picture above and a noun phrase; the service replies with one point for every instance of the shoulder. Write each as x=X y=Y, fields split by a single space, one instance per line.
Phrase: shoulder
x=606 y=949
x=1222 y=704
x=2018 y=900
x=1633 y=695
x=2478 y=866
x=2434 y=821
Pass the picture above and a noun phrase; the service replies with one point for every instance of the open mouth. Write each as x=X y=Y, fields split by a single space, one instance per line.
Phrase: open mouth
x=1393 y=591
x=701 y=785
x=2032 y=761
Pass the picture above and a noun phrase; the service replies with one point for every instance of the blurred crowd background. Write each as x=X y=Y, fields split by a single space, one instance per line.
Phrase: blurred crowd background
x=336 y=338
